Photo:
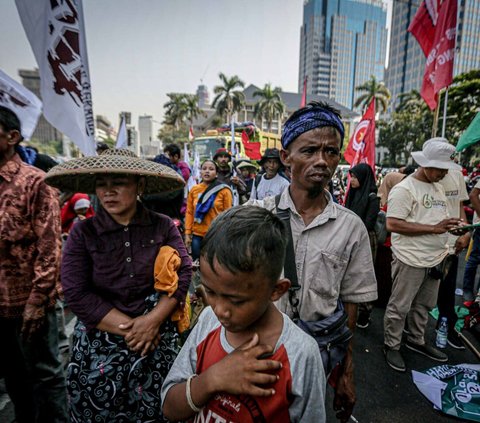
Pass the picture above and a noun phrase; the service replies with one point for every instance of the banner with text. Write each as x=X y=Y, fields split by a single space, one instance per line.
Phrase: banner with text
x=439 y=49
x=56 y=32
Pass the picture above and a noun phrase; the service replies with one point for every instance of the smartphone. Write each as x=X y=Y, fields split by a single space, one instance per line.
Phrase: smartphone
x=466 y=228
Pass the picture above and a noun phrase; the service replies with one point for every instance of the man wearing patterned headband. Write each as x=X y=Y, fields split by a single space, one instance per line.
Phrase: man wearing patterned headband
x=332 y=250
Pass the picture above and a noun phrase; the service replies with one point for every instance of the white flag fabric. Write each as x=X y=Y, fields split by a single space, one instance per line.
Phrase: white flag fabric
x=186 y=155
x=22 y=102
x=122 y=141
x=56 y=32
x=196 y=167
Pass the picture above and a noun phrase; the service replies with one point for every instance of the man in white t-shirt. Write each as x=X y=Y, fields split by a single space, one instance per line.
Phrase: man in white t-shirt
x=270 y=183
x=418 y=218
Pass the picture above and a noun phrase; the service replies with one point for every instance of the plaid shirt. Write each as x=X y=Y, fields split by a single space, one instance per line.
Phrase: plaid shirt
x=29 y=239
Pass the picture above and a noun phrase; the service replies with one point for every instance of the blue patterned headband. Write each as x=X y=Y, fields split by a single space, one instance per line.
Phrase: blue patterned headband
x=308 y=118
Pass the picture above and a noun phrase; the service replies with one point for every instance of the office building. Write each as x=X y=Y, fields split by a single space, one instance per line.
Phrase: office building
x=44 y=132
x=203 y=97
x=342 y=43
x=127 y=116
x=406 y=64
x=468 y=36
x=148 y=145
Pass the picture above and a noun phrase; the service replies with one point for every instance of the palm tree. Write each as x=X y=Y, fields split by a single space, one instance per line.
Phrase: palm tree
x=270 y=105
x=192 y=111
x=373 y=89
x=228 y=98
x=412 y=101
x=175 y=110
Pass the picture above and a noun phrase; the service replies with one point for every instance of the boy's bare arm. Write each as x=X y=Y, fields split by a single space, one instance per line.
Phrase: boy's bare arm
x=240 y=372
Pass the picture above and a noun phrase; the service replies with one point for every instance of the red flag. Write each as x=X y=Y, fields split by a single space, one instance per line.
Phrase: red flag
x=252 y=149
x=439 y=67
x=361 y=147
x=424 y=24
x=191 y=136
x=303 y=103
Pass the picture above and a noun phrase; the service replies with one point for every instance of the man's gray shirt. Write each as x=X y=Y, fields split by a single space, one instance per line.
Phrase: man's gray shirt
x=332 y=256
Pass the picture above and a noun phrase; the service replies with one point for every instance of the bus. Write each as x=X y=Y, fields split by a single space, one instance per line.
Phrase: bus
x=206 y=145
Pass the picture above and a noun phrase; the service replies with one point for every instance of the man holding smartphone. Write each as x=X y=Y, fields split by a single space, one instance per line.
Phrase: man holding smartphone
x=419 y=221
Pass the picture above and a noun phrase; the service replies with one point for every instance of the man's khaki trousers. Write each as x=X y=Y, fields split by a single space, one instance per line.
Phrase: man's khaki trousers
x=414 y=294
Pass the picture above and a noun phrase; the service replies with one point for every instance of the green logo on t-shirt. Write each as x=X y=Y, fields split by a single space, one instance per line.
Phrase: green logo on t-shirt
x=427 y=201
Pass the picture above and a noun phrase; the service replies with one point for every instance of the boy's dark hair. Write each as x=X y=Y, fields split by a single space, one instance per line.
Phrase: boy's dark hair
x=9 y=120
x=246 y=239
x=173 y=150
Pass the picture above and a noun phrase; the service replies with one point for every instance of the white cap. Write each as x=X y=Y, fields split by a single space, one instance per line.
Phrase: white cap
x=83 y=203
x=436 y=153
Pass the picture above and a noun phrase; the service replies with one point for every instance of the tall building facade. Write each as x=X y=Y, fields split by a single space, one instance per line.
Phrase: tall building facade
x=468 y=36
x=44 y=132
x=203 y=97
x=127 y=116
x=406 y=64
x=147 y=144
x=342 y=43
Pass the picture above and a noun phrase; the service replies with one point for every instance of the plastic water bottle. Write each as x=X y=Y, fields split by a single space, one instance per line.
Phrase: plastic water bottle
x=442 y=334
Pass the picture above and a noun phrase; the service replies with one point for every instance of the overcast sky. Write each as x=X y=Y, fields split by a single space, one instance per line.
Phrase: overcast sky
x=139 y=50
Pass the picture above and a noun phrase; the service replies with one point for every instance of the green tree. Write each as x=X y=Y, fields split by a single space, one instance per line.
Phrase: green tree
x=51 y=148
x=270 y=104
x=405 y=131
x=463 y=104
x=412 y=102
x=373 y=89
x=228 y=96
x=169 y=134
x=176 y=109
x=192 y=111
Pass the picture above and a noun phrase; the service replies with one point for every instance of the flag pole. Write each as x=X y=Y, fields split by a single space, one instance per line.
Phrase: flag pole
x=444 y=123
x=435 y=118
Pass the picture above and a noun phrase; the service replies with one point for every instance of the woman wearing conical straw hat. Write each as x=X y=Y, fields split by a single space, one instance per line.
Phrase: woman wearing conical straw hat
x=124 y=341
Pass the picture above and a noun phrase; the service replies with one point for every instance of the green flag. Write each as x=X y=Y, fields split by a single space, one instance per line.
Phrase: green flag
x=471 y=134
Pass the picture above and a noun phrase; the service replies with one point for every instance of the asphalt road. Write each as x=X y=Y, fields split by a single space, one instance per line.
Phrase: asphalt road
x=384 y=395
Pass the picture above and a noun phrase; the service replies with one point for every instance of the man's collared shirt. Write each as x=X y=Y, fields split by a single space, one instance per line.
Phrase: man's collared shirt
x=29 y=239
x=332 y=256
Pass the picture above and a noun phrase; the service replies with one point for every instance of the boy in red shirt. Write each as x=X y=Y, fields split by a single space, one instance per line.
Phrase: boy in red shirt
x=245 y=361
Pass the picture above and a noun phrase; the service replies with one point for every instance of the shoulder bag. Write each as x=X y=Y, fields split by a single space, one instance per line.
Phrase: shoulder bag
x=331 y=333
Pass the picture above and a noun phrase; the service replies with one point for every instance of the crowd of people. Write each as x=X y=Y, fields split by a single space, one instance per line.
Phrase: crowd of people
x=287 y=275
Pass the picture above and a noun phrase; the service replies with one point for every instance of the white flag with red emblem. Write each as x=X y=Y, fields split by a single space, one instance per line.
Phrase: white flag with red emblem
x=56 y=32
x=22 y=102
x=361 y=147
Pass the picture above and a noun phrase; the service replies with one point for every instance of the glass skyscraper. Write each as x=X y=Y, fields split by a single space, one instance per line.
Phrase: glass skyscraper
x=342 y=43
x=468 y=36
x=406 y=60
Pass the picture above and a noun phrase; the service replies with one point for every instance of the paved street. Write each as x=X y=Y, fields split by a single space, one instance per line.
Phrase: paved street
x=383 y=394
